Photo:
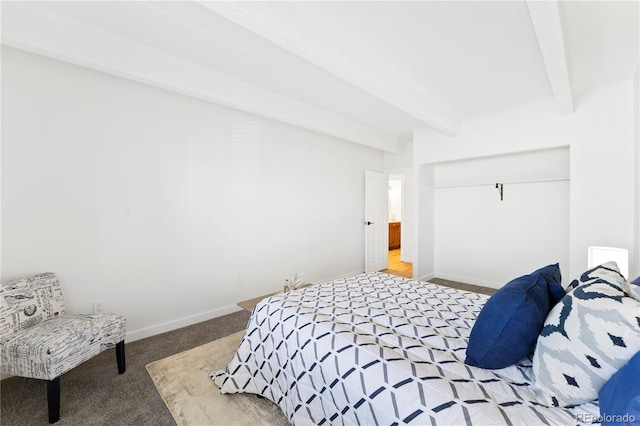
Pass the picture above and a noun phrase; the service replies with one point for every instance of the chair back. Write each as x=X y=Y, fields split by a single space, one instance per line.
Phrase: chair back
x=27 y=301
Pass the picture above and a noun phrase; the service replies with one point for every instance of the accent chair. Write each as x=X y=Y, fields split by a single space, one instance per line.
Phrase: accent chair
x=38 y=339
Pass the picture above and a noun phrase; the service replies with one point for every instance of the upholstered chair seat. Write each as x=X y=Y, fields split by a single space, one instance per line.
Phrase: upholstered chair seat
x=59 y=344
x=39 y=340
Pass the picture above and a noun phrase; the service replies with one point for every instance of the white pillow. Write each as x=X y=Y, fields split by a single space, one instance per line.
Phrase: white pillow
x=592 y=332
x=608 y=272
x=633 y=290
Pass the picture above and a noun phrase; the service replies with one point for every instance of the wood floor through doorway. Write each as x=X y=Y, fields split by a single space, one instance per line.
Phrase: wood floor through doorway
x=397 y=266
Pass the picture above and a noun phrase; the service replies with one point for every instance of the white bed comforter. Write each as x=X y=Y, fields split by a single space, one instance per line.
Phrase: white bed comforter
x=381 y=349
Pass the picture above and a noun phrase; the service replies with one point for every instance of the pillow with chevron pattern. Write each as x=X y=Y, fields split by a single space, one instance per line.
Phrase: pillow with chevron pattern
x=592 y=332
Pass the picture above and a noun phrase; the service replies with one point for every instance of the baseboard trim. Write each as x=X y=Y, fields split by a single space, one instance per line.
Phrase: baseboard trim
x=426 y=277
x=142 y=333
x=469 y=280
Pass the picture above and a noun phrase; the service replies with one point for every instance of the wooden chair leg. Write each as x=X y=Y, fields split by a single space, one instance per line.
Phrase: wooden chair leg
x=53 y=399
x=122 y=366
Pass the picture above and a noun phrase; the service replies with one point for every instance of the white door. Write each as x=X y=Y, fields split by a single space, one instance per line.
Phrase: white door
x=376 y=221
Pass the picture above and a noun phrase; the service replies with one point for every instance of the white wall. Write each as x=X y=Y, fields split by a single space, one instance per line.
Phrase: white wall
x=424 y=263
x=635 y=262
x=395 y=198
x=169 y=208
x=601 y=140
x=484 y=240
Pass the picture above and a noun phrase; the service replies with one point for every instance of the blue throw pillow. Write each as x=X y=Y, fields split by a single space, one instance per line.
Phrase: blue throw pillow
x=509 y=323
x=620 y=396
x=636 y=281
x=553 y=278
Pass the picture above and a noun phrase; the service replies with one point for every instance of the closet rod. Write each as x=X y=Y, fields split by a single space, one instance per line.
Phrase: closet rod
x=505 y=183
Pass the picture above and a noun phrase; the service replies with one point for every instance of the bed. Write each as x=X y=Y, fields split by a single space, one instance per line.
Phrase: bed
x=381 y=349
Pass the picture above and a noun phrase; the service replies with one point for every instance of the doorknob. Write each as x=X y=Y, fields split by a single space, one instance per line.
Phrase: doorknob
x=368 y=223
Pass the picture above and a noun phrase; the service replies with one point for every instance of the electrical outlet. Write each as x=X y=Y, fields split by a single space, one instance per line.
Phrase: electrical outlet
x=98 y=307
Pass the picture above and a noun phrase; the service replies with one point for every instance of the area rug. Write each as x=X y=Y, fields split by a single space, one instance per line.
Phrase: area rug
x=194 y=400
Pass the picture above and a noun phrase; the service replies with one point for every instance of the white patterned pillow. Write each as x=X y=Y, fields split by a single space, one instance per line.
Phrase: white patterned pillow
x=633 y=290
x=592 y=332
x=608 y=272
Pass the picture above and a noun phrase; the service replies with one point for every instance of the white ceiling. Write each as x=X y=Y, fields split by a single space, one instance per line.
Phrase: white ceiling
x=369 y=72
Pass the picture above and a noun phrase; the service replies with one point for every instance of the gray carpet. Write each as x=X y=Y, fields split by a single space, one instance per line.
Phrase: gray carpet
x=95 y=394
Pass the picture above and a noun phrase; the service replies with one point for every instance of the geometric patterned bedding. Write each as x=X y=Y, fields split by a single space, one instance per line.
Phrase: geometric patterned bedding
x=381 y=349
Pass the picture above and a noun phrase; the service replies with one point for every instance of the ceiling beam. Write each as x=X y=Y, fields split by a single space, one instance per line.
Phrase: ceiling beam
x=37 y=30
x=321 y=47
x=545 y=16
